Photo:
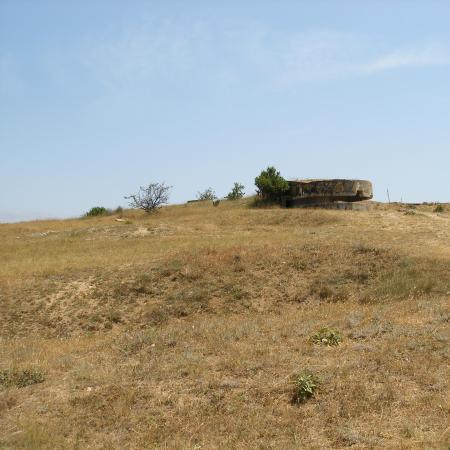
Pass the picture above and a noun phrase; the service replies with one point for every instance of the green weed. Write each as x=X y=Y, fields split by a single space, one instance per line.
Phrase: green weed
x=327 y=336
x=305 y=385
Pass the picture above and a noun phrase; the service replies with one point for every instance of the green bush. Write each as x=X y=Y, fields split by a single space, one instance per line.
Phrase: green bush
x=97 y=211
x=439 y=209
x=271 y=185
x=327 y=336
x=237 y=192
x=305 y=385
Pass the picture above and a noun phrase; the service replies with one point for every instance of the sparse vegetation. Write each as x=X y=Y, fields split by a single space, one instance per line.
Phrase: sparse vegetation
x=150 y=332
x=439 y=209
x=20 y=378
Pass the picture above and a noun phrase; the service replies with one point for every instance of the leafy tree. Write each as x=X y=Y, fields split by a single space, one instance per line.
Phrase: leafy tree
x=271 y=185
x=207 y=194
x=150 y=198
x=97 y=211
x=237 y=192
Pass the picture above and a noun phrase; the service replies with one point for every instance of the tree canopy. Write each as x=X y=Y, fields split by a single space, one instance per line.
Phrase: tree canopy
x=271 y=185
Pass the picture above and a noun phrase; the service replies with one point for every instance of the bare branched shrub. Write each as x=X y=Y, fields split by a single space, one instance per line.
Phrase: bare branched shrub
x=207 y=194
x=150 y=198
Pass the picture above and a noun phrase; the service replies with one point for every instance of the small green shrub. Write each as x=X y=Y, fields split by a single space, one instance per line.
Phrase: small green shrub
x=305 y=385
x=439 y=209
x=97 y=211
x=237 y=192
x=327 y=336
x=20 y=378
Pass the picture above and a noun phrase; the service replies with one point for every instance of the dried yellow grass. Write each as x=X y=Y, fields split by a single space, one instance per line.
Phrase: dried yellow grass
x=184 y=329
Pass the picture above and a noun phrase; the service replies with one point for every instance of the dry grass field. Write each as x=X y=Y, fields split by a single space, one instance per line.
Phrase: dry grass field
x=188 y=329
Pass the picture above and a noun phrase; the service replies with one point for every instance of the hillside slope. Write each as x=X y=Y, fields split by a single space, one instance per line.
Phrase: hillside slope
x=186 y=329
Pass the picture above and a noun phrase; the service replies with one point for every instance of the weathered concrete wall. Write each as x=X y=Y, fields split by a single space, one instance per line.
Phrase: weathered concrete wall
x=322 y=192
x=352 y=206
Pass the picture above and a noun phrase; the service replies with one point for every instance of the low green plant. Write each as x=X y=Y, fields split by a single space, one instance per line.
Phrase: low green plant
x=237 y=192
x=327 y=336
x=305 y=385
x=20 y=378
x=97 y=211
x=439 y=209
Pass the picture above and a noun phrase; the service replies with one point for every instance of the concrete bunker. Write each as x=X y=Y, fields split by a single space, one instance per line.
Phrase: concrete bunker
x=328 y=193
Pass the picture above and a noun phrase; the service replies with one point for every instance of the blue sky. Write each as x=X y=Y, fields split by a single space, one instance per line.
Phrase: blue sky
x=100 y=97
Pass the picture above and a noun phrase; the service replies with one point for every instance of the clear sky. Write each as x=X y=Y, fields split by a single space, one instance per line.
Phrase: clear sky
x=100 y=97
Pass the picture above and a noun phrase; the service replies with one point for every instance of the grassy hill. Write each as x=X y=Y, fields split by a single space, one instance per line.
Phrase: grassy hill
x=189 y=329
